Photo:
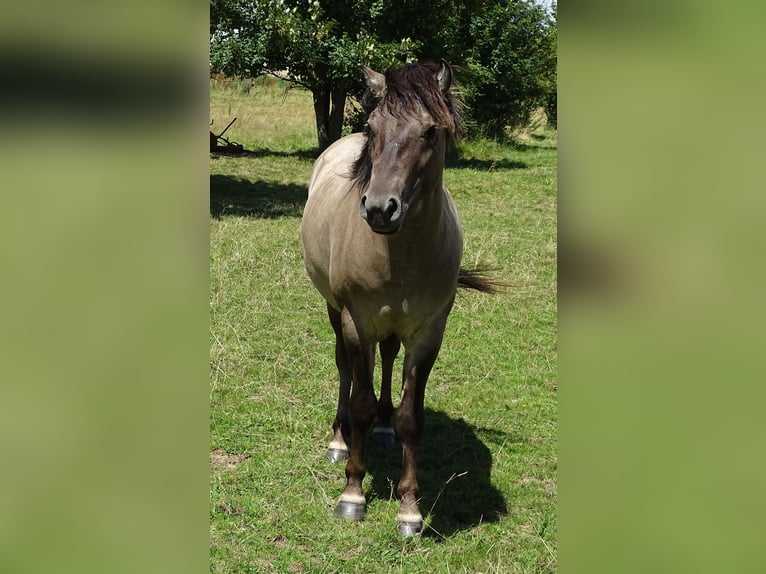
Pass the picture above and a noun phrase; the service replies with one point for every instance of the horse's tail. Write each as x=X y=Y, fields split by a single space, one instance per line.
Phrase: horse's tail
x=478 y=280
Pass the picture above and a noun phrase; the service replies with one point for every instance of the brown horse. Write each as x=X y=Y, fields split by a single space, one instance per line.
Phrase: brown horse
x=382 y=243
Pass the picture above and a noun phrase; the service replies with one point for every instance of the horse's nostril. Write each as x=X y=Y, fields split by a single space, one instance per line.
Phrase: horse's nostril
x=380 y=212
x=392 y=207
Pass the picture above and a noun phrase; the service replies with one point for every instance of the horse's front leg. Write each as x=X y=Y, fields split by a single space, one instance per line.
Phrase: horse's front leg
x=361 y=410
x=419 y=359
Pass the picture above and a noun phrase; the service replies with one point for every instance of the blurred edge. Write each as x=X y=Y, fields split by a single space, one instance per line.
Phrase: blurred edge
x=104 y=250
x=661 y=201
x=104 y=333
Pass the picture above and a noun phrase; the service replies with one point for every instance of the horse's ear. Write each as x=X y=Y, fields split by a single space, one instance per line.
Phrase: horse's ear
x=444 y=77
x=376 y=82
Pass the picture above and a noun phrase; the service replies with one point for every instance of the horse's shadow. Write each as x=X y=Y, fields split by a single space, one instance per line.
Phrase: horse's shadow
x=454 y=469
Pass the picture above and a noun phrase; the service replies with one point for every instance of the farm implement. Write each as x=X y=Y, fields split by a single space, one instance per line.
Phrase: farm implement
x=220 y=144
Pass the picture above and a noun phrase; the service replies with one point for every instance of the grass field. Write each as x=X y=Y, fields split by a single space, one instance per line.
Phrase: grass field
x=488 y=465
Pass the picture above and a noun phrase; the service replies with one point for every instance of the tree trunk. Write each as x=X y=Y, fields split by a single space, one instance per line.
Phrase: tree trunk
x=329 y=108
x=338 y=98
x=322 y=114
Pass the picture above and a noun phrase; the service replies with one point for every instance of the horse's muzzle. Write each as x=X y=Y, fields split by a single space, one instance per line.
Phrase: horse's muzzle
x=383 y=215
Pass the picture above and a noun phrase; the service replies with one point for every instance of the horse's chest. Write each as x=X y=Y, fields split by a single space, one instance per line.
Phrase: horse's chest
x=398 y=289
x=403 y=309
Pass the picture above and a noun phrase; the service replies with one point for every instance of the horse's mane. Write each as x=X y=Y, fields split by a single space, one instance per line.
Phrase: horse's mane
x=408 y=90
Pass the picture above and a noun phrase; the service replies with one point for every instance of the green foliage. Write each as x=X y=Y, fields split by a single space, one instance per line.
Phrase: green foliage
x=551 y=108
x=313 y=41
x=509 y=66
x=550 y=79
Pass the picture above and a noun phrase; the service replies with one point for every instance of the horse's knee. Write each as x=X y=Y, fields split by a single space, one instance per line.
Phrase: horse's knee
x=409 y=426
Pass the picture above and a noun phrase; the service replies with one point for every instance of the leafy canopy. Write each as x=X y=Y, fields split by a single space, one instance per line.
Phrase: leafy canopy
x=504 y=50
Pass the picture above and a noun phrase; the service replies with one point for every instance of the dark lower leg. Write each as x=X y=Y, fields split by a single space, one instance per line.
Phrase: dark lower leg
x=338 y=447
x=362 y=408
x=409 y=426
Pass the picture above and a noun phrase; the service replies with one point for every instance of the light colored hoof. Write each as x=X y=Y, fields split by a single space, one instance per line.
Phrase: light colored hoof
x=353 y=511
x=384 y=437
x=407 y=529
x=336 y=454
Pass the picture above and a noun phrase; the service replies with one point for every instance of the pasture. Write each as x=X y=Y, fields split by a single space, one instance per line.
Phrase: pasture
x=487 y=467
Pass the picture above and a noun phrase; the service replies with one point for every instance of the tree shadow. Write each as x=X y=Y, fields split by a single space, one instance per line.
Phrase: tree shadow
x=454 y=468
x=484 y=164
x=306 y=154
x=238 y=196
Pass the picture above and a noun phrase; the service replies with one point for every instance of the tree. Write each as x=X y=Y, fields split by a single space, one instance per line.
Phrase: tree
x=315 y=43
x=551 y=92
x=320 y=43
x=510 y=64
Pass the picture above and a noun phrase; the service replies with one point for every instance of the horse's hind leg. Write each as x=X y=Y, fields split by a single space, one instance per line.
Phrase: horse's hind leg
x=383 y=433
x=338 y=448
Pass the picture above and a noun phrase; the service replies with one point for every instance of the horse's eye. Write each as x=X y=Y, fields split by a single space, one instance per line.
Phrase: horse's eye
x=368 y=130
x=430 y=134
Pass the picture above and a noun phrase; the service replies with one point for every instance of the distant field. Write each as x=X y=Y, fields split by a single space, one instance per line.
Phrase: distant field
x=488 y=465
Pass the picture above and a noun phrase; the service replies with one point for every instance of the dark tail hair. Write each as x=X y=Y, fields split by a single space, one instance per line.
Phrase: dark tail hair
x=478 y=280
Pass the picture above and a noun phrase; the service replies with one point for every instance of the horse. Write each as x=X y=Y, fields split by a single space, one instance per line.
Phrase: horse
x=382 y=243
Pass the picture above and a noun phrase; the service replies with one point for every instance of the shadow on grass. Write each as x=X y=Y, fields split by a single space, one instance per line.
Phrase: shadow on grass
x=484 y=164
x=448 y=449
x=307 y=154
x=236 y=196
x=452 y=161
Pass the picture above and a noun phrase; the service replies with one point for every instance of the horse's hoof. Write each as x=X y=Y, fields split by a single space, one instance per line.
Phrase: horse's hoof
x=336 y=454
x=353 y=511
x=384 y=437
x=407 y=529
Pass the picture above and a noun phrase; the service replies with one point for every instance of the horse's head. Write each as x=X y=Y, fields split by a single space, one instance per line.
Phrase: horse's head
x=406 y=132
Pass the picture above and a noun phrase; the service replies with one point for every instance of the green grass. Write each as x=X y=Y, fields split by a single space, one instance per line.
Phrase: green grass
x=488 y=464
